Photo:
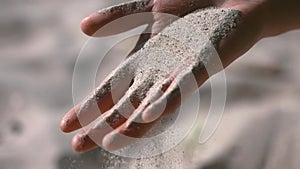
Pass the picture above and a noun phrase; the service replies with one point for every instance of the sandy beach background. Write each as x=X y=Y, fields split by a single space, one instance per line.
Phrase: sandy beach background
x=39 y=43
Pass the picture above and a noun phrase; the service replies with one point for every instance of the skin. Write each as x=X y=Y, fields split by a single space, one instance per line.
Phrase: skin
x=260 y=19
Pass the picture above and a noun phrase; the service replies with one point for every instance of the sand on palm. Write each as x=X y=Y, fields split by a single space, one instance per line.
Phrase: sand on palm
x=178 y=45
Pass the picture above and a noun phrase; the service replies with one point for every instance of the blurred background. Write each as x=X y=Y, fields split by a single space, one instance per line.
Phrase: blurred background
x=39 y=44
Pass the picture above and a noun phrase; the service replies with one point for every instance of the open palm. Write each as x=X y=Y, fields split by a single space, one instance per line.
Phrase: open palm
x=145 y=82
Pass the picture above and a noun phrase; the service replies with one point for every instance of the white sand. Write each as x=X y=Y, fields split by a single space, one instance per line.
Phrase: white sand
x=177 y=45
x=131 y=7
x=183 y=44
x=254 y=90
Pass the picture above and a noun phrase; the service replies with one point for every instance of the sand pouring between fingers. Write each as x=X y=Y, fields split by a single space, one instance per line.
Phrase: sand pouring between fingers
x=180 y=47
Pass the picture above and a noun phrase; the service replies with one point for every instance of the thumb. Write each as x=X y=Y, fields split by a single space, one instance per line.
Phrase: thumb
x=101 y=19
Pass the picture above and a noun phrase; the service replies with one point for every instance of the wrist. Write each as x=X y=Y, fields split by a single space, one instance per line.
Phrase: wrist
x=248 y=31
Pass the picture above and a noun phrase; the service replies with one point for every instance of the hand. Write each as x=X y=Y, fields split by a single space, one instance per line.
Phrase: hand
x=155 y=86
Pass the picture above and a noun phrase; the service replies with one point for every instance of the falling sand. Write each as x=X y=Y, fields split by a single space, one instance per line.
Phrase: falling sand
x=184 y=45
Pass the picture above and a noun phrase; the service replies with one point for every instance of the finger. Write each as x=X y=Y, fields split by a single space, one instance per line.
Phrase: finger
x=129 y=132
x=105 y=124
x=91 y=138
x=91 y=24
x=166 y=104
x=162 y=100
x=101 y=100
x=134 y=128
x=82 y=143
x=111 y=119
x=85 y=112
x=125 y=135
x=181 y=87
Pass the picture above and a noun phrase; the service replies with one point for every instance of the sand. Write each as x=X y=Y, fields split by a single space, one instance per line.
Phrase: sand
x=132 y=7
x=184 y=44
x=40 y=71
x=37 y=65
x=176 y=45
